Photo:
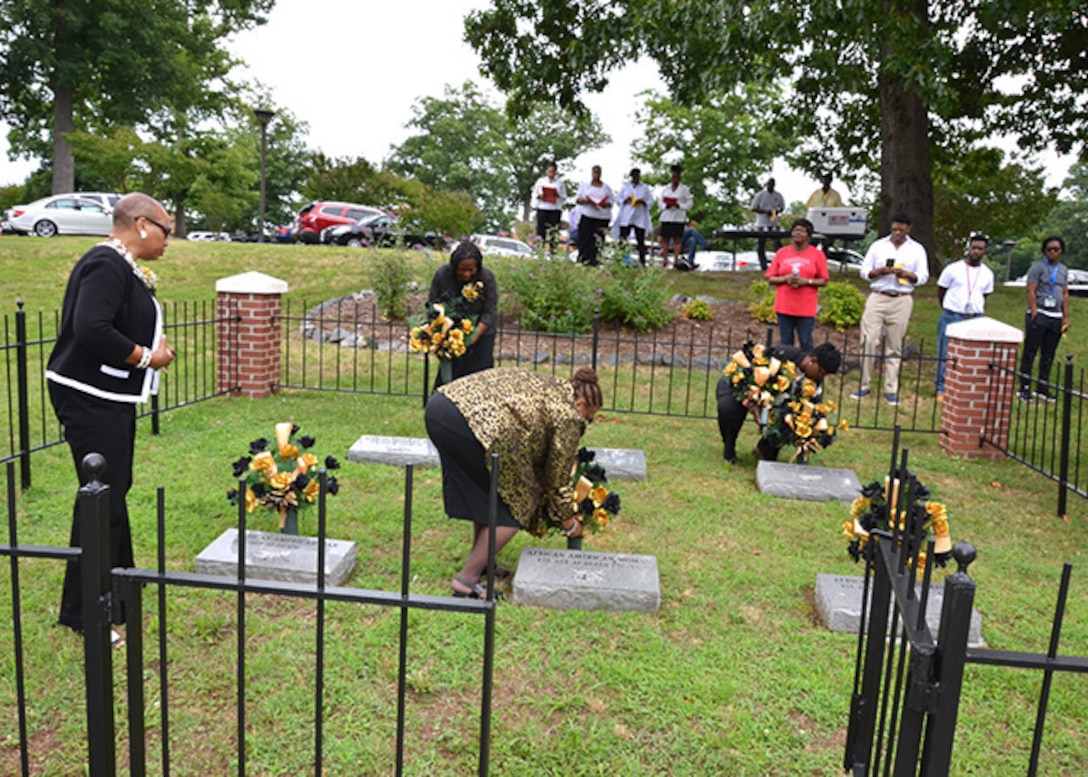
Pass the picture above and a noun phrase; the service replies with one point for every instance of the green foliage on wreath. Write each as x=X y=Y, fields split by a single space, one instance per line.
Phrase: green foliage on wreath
x=841 y=306
x=761 y=302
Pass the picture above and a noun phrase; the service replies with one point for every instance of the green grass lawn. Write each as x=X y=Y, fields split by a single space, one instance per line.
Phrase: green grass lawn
x=734 y=676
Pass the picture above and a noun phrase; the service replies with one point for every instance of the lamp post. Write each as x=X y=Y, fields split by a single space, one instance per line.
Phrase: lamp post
x=1008 y=246
x=263 y=117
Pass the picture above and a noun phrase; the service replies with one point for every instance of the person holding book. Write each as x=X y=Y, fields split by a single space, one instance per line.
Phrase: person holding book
x=634 y=215
x=549 y=196
x=594 y=201
x=675 y=201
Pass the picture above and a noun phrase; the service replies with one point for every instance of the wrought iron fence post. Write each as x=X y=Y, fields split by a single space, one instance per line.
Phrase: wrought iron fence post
x=24 y=399
x=94 y=521
x=959 y=599
x=154 y=414
x=596 y=337
x=1067 y=424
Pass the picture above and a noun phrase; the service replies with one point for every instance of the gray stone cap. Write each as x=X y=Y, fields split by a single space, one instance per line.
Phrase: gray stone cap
x=251 y=282
x=985 y=330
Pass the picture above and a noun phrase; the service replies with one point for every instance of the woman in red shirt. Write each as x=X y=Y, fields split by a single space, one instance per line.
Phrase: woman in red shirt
x=798 y=270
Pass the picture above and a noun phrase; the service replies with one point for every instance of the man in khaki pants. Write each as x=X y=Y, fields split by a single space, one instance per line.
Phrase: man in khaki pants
x=894 y=265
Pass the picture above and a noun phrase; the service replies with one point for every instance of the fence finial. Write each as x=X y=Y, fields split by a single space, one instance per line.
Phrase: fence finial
x=94 y=466
x=964 y=553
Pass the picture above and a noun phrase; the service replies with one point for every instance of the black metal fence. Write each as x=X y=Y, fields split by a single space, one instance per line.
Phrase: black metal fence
x=99 y=585
x=344 y=346
x=1047 y=436
x=28 y=341
x=908 y=681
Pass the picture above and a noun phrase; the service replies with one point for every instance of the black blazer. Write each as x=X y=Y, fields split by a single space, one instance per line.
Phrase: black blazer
x=107 y=312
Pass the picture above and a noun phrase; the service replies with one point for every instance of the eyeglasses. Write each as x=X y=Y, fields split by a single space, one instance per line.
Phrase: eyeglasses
x=165 y=231
x=1057 y=248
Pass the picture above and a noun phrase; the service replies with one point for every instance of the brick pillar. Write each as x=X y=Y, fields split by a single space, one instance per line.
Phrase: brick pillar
x=248 y=310
x=977 y=394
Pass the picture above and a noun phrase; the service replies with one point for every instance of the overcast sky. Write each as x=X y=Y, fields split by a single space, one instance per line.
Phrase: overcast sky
x=354 y=70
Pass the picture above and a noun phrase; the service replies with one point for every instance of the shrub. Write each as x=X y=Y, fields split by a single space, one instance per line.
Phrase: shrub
x=634 y=295
x=761 y=302
x=841 y=306
x=697 y=310
x=389 y=277
x=554 y=295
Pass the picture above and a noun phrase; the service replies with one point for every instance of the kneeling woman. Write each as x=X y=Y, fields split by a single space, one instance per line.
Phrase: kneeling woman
x=534 y=423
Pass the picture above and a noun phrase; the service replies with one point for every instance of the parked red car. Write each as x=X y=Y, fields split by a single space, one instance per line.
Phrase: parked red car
x=318 y=215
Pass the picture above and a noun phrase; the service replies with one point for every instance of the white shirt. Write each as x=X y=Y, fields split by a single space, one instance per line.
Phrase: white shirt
x=551 y=183
x=966 y=287
x=635 y=215
x=911 y=256
x=684 y=203
x=602 y=193
x=772 y=201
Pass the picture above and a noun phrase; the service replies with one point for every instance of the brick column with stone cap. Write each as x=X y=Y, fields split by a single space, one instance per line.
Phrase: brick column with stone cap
x=248 y=329
x=979 y=386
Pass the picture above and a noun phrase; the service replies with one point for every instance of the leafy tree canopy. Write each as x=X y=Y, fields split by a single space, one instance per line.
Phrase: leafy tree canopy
x=726 y=144
x=875 y=83
x=466 y=143
x=96 y=66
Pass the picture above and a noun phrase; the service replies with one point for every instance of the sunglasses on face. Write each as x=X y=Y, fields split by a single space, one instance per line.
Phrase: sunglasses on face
x=165 y=230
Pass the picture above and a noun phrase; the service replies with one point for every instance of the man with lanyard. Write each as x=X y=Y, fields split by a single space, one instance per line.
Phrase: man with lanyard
x=894 y=265
x=962 y=290
x=1047 y=317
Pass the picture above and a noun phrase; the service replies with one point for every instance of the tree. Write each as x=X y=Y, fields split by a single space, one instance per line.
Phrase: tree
x=466 y=143
x=67 y=66
x=877 y=83
x=726 y=144
x=1070 y=220
x=976 y=191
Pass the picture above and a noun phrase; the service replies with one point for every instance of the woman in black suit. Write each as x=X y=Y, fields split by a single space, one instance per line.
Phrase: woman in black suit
x=106 y=360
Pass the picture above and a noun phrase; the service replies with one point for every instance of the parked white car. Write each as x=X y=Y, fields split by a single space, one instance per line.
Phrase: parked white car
x=62 y=214
x=724 y=261
x=220 y=237
x=496 y=245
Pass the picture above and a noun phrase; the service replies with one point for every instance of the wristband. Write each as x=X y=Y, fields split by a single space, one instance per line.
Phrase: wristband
x=573 y=528
x=145 y=358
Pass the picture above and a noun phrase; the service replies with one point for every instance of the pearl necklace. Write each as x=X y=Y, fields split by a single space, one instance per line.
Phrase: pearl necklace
x=146 y=276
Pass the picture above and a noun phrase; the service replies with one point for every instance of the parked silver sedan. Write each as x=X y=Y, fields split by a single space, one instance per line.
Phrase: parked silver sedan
x=61 y=214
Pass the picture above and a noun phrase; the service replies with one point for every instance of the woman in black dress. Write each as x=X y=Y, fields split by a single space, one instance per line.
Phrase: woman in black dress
x=470 y=288
x=534 y=422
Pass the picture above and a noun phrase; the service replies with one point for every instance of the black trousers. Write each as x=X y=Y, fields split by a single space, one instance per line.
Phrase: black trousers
x=1043 y=336
x=640 y=240
x=731 y=415
x=94 y=425
x=590 y=231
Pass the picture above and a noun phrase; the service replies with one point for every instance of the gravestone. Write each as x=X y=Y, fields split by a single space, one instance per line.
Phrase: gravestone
x=586 y=580
x=288 y=558
x=838 y=600
x=621 y=463
x=398 y=451
x=813 y=484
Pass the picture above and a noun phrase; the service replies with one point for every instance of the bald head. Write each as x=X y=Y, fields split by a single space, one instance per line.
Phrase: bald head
x=137 y=205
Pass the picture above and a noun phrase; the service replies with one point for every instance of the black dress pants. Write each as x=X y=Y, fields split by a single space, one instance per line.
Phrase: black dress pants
x=94 y=425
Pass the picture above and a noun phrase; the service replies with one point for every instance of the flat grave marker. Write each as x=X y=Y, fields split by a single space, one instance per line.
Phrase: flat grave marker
x=813 y=484
x=586 y=580
x=288 y=558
